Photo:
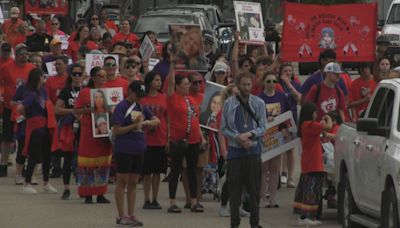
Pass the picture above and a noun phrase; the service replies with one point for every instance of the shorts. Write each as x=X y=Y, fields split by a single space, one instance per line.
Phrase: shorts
x=129 y=163
x=155 y=160
x=8 y=126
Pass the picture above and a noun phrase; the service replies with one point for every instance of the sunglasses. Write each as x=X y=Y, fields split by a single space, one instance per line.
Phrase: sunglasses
x=110 y=65
x=95 y=19
x=133 y=66
x=22 y=52
x=198 y=82
x=272 y=81
x=76 y=74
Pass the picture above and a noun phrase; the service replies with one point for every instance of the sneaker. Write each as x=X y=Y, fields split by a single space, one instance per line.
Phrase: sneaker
x=290 y=183
x=29 y=190
x=308 y=222
x=147 y=205
x=88 y=200
x=244 y=213
x=102 y=199
x=34 y=181
x=65 y=194
x=156 y=205
x=125 y=221
x=284 y=179
x=264 y=203
x=49 y=189
x=135 y=221
x=19 y=180
x=223 y=211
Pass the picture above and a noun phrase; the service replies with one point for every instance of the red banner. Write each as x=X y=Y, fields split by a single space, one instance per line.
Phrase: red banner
x=46 y=7
x=349 y=29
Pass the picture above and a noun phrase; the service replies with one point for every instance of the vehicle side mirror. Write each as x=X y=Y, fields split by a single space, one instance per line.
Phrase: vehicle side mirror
x=371 y=127
x=381 y=23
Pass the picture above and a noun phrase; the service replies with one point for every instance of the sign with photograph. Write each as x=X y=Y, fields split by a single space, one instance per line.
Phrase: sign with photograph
x=51 y=67
x=280 y=136
x=187 y=45
x=100 y=124
x=211 y=105
x=93 y=60
x=147 y=48
x=249 y=21
x=46 y=7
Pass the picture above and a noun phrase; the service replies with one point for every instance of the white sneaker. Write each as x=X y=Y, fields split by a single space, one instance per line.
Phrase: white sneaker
x=29 y=190
x=49 y=189
x=19 y=180
x=244 y=213
x=223 y=211
x=34 y=181
x=283 y=179
x=308 y=222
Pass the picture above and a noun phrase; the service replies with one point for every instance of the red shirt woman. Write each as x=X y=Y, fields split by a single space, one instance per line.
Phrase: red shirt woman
x=81 y=39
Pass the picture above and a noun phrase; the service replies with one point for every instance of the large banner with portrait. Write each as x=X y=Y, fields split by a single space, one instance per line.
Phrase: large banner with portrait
x=211 y=105
x=48 y=7
x=280 y=136
x=187 y=45
x=94 y=60
x=349 y=29
x=102 y=103
x=249 y=21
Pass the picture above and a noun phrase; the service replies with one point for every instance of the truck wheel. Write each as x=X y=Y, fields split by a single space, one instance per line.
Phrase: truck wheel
x=389 y=209
x=347 y=205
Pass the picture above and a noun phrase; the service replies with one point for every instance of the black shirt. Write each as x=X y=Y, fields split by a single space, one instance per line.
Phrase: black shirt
x=69 y=95
x=37 y=42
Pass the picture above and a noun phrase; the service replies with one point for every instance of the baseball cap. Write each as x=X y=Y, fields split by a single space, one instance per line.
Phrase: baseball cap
x=20 y=46
x=14 y=12
x=333 y=67
x=55 y=41
x=138 y=88
x=220 y=66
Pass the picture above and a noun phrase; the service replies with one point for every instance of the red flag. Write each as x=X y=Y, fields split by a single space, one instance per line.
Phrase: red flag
x=349 y=29
x=46 y=7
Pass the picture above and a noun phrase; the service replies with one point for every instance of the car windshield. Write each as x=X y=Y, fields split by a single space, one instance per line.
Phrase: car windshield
x=159 y=23
x=394 y=16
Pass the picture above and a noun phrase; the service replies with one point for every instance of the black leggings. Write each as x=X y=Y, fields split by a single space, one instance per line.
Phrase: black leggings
x=39 y=151
x=20 y=159
x=68 y=158
x=191 y=154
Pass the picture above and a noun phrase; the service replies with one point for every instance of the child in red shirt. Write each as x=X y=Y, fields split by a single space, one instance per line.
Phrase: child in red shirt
x=309 y=190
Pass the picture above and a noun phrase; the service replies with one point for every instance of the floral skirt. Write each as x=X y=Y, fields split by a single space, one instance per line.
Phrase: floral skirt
x=92 y=175
x=308 y=194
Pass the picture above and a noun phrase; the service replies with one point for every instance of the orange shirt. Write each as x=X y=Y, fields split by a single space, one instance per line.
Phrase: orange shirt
x=13 y=76
x=118 y=82
x=312 y=155
x=10 y=30
x=54 y=85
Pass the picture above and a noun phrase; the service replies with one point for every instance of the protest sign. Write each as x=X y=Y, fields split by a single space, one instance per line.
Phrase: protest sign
x=93 y=60
x=100 y=125
x=349 y=29
x=211 y=105
x=249 y=21
x=64 y=41
x=152 y=63
x=187 y=44
x=280 y=136
x=147 y=48
x=46 y=7
x=51 y=67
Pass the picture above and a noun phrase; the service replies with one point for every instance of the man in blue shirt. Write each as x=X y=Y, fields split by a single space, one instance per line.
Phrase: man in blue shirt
x=243 y=123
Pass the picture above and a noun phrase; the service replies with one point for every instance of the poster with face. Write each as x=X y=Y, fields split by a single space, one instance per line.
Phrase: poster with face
x=280 y=136
x=100 y=124
x=249 y=21
x=187 y=44
x=211 y=105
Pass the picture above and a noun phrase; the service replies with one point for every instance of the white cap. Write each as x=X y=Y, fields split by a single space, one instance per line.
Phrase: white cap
x=333 y=67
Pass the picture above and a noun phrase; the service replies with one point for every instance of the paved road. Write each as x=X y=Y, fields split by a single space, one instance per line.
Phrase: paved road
x=47 y=210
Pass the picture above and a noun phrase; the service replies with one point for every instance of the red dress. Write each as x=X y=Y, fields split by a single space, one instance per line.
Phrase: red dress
x=94 y=154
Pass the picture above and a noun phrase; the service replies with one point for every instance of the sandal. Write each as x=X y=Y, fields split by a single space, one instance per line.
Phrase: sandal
x=174 y=209
x=197 y=208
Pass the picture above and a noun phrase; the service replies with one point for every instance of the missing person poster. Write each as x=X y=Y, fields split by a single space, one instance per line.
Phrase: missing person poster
x=280 y=136
x=94 y=60
x=147 y=48
x=187 y=45
x=249 y=21
x=100 y=124
x=211 y=105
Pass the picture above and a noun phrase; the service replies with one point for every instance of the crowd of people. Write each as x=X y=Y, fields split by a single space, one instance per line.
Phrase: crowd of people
x=156 y=127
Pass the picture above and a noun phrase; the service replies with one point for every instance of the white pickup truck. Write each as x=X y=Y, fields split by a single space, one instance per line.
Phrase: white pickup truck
x=367 y=163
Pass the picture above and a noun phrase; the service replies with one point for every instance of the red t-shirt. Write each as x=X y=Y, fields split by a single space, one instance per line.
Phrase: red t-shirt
x=347 y=80
x=131 y=37
x=197 y=97
x=13 y=76
x=10 y=30
x=359 y=89
x=327 y=101
x=158 y=106
x=110 y=24
x=312 y=155
x=54 y=85
x=118 y=82
x=73 y=48
x=178 y=116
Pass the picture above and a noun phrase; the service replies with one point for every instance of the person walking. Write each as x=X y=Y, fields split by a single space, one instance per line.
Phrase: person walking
x=243 y=123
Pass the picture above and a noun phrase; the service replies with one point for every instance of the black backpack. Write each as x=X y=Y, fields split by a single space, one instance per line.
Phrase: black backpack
x=316 y=98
